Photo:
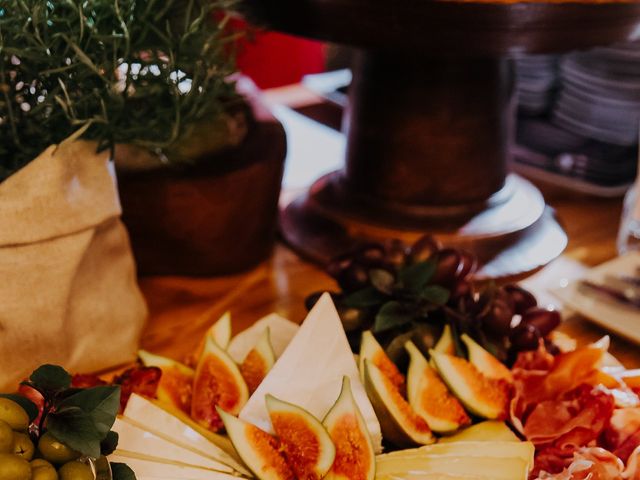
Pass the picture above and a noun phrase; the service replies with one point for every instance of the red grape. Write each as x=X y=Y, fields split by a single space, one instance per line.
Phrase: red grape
x=522 y=299
x=544 y=320
x=525 y=337
x=498 y=318
x=353 y=278
x=396 y=253
x=423 y=249
x=449 y=267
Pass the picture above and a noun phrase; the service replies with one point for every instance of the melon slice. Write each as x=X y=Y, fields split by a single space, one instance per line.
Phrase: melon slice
x=177 y=427
x=261 y=452
x=355 y=458
x=487 y=431
x=305 y=443
x=484 y=361
x=258 y=362
x=429 y=396
x=371 y=350
x=218 y=382
x=485 y=397
x=400 y=424
x=176 y=382
x=445 y=344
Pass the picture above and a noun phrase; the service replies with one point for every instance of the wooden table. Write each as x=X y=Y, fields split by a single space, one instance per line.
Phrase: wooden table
x=182 y=308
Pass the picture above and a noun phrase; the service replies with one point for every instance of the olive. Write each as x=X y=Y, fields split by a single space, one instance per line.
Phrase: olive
x=43 y=470
x=75 y=471
x=522 y=299
x=14 y=415
x=23 y=446
x=6 y=438
x=55 y=451
x=544 y=320
x=14 y=468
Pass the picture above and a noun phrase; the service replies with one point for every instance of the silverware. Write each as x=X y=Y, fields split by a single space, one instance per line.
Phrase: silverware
x=624 y=296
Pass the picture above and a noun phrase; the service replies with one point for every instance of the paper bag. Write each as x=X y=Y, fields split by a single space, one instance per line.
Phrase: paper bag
x=68 y=293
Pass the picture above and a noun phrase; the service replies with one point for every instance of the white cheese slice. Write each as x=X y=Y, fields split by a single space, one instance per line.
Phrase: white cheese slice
x=165 y=469
x=281 y=331
x=135 y=439
x=309 y=372
x=145 y=414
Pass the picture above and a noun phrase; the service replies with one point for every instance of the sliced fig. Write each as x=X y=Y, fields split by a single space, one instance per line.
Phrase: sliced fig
x=371 y=350
x=219 y=332
x=176 y=382
x=258 y=362
x=445 y=344
x=483 y=396
x=429 y=396
x=400 y=424
x=218 y=382
x=489 y=365
x=261 y=452
x=355 y=458
x=305 y=442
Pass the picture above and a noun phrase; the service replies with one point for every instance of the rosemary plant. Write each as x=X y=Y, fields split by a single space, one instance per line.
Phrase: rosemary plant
x=137 y=72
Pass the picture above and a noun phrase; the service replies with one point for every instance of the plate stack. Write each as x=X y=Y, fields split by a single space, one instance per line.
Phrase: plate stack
x=578 y=124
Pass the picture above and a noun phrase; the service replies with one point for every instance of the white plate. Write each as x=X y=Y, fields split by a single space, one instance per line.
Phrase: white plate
x=616 y=317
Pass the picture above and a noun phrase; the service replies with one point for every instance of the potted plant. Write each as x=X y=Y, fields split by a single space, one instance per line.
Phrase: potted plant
x=81 y=83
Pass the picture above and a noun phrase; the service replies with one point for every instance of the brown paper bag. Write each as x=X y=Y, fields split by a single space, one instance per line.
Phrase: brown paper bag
x=68 y=290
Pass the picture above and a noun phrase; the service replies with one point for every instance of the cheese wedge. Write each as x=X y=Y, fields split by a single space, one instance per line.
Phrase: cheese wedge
x=136 y=440
x=487 y=431
x=147 y=415
x=496 y=450
x=281 y=331
x=506 y=468
x=159 y=468
x=309 y=372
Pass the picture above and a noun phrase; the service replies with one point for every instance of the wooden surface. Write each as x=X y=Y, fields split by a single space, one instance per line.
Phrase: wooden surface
x=181 y=308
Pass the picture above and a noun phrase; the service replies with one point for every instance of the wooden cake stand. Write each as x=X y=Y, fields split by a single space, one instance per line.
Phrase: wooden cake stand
x=430 y=121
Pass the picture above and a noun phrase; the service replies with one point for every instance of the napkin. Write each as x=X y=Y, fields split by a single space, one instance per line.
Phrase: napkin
x=309 y=372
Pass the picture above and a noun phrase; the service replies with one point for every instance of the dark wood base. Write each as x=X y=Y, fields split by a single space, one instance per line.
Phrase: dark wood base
x=514 y=233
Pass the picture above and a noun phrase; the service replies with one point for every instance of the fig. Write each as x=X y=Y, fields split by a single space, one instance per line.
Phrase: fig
x=429 y=396
x=445 y=344
x=482 y=396
x=261 y=452
x=176 y=382
x=217 y=382
x=371 y=350
x=258 y=362
x=305 y=443
x=219 y=332
x=484 y=361
x=355 y=457
x=400 y=424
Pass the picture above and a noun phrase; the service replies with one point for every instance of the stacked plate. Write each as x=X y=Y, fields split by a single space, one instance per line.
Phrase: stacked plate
x=536 y=80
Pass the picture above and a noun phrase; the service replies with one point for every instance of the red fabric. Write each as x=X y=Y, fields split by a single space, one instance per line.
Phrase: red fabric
x=273 y=59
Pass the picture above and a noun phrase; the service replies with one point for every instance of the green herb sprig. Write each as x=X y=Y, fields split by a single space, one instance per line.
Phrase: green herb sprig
x=81 y=418
x=118 y=71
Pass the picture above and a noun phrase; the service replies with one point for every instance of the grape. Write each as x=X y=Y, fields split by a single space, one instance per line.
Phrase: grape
x=525 y=337
x=351 y=318
x=14 y=415
x=469 y=264
x=14 y=468
x=371 y=256
x=522 y=299
x=423 y=249
x=6 y=438
x=23 y=446
x=449 y=267
x=544 y=320
x=54 y=451
x=338 y=265
x=75 y=471
x=500 y=314
x=353 y=278
x=396 y=253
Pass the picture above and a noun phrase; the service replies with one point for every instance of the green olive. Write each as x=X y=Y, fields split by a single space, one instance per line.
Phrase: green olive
x=75 y=471
x=43 y=470
x=55 y=451
x=6 y=438
x=14 y=468
x=14 y=415
x=23 y=446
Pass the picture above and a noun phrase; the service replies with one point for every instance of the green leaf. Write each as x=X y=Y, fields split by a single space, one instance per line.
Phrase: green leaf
x=50 y=378
x=101 y=403
x=25 y=403
x=110 y=443
x=435 y=294
x=391 y=315
x=366 y=297
x=415 y=277
x=382 y=280
x=76 y=429
x=120 y=471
